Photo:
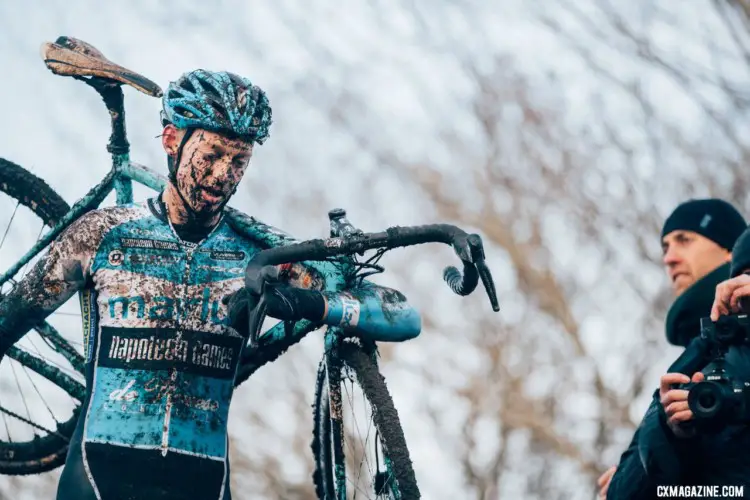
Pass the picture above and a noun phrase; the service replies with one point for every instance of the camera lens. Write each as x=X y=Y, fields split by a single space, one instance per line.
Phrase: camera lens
x=705 y=399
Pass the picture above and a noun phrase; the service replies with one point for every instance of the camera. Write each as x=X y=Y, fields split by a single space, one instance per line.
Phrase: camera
x=723 y=398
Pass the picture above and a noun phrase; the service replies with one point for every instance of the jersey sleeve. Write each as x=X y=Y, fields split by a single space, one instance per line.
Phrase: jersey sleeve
x=57 y=276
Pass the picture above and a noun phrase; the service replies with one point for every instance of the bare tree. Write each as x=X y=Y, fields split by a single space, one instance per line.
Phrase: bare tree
x=426 y=115
x=571 y=214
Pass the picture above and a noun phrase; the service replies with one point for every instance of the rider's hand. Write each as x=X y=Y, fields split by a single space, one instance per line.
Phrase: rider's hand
x=728 y=296
x=289 y=303
x=604 y=480
x=674 y=401
x=238 y=305
x=282 y=302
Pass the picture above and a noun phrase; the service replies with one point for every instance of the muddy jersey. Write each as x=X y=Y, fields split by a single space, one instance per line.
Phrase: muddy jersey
x=161 y=358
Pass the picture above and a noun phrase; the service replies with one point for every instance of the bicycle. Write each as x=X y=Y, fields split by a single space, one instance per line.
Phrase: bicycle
x=336 y=258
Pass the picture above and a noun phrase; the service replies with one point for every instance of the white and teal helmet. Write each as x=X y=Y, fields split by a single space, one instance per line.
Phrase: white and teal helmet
x=218 y=101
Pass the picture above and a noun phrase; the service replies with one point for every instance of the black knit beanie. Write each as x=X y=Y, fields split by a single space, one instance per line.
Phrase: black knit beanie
x=715 y=219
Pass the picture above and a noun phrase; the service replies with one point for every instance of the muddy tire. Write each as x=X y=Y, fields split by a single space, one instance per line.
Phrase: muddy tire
x=384 y=416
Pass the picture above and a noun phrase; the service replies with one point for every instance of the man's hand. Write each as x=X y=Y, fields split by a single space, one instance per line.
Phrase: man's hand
x=604 y=480
x=674 y=401
x=728 y=296
x=289 y=303
x=282 y=302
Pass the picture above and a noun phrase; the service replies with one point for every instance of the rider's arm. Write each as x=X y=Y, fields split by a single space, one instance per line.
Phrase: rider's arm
x=56 y=277
x=377 y=312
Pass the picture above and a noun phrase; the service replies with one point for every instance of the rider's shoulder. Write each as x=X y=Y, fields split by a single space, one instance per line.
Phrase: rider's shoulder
x=255 y=232
x=99 y=221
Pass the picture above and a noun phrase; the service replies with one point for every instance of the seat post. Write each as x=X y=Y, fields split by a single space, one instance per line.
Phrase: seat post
x=118 y=146
x=111 y=93
x=115 y=101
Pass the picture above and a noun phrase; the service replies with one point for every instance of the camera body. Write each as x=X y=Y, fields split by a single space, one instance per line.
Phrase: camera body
x=723 y=398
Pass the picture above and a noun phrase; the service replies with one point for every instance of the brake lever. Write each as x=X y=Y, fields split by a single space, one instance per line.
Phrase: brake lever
x=476 y=250
x=256 y=279
x=489 y=284
x=255 y=322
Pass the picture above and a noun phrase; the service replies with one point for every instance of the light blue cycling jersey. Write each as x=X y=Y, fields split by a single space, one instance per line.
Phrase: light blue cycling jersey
x=161 y=356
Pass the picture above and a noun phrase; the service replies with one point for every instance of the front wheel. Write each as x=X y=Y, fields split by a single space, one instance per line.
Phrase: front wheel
x=359 y=448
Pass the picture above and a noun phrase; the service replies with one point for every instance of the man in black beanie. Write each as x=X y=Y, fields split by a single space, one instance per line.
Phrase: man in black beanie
x=697 y=242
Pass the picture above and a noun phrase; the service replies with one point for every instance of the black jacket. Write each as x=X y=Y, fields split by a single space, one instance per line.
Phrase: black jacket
x=655 y=456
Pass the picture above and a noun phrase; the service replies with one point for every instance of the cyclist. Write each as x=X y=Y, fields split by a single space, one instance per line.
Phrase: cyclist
x=161 y=348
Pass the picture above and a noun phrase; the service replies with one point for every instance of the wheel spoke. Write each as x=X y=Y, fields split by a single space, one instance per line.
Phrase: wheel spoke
x=7 y=429
x=40 y=394
x=366 y=474
x=62 y=368
x=78 y=315
x=20 y=391
x=358 y=488
x=7 y=229
x=356 y=425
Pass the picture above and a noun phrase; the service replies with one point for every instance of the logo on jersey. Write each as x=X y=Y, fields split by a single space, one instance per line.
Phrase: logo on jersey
x=163 y=307
x=88 y=303
x=188 y=351
x=157 y=350
x=115 y=258
x=147 y=243
x=156 y=389
x=154 y=259
x=125 y=393
x=220 y=255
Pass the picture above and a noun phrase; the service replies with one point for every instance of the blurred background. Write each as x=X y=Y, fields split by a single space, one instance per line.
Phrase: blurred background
x=563 y=132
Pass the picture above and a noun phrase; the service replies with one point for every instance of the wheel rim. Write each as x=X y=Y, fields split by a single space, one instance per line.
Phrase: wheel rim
x=37 y=416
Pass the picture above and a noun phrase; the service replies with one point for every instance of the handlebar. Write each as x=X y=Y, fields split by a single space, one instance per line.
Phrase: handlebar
x=468 y=247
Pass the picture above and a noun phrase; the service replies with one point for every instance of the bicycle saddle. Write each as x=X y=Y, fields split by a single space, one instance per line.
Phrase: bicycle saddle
x=69 y=56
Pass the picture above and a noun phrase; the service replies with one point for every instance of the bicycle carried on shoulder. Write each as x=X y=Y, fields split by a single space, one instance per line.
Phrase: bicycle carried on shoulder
x=349 y=365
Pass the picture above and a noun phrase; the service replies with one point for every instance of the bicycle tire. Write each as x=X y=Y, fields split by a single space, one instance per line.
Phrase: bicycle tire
x=321 y=442
x=385 y=417
x=45 y=453
x=32 y=192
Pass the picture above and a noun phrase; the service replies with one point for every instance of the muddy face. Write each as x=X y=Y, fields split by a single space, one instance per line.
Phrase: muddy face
x=211 y=167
